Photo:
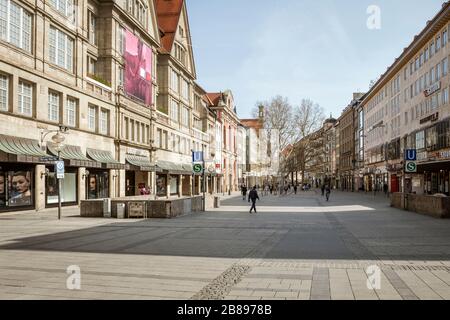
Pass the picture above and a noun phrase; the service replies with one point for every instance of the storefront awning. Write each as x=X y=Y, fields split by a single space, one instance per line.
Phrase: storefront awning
x=106 y=158
x=16 y=149
x=74 y=156
x=173 y=168
x=140 y=163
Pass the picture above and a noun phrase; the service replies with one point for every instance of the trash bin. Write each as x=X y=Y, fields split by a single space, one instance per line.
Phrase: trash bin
x=121 y=211
x=216 y=202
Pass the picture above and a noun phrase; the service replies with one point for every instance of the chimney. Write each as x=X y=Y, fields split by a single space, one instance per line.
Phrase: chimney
x=261 y=113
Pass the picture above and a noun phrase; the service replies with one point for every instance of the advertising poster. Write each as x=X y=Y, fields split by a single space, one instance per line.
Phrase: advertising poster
x=138 y=69
x=20 y=188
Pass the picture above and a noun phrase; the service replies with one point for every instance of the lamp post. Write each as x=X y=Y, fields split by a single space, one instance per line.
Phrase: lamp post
x=57 y=139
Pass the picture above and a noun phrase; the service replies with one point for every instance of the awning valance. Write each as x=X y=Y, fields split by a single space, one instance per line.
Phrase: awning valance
x=20 y=150
x=74 y=156
x=141 y=163
x=106 y=158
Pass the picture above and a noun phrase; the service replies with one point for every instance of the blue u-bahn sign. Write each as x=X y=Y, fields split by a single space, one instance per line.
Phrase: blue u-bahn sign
x=411 y=155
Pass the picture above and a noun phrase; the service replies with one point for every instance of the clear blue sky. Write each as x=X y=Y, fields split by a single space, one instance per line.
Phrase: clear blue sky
x=317 y=49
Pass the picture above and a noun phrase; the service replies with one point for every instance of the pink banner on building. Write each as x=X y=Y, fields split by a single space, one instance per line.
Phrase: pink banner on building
x=138 y=69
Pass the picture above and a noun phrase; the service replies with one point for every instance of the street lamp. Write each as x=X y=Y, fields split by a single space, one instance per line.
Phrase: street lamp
x=58 y=140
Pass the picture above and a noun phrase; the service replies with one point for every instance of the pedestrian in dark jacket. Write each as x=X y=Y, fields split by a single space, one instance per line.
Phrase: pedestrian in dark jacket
x=323 y=190
x=327 y=192
x=244 y=192
x=253 y=196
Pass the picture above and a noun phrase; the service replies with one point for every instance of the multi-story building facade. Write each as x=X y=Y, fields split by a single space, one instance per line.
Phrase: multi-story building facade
x=408 y=108
x=347 y=149
x=359 y=144
x=63 y=65
x=223 y=104
x=179 y=124
x=329 y=164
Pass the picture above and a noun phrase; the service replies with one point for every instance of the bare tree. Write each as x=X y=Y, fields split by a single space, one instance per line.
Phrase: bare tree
x=277 y=116
x=308 y=118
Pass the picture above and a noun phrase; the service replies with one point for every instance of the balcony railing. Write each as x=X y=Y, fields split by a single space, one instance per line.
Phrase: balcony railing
x=98 y=89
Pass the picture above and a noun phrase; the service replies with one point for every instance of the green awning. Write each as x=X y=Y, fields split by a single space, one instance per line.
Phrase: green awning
x=140 y=163
x=20 y=150
x=106 y=158
x=173 y=168
x=74 y=156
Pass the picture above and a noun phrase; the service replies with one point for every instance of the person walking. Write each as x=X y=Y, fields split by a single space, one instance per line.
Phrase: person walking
x=385 y=189
x=327 y=192
x=295 y=189
x=244 y=192
x=253 y=196
x=323 y=190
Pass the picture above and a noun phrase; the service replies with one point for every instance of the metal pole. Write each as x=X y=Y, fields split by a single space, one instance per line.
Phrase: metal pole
x=59 y=190
x=204 y=187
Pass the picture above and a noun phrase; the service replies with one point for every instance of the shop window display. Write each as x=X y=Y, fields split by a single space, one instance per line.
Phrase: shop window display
x=16 y=189
x=161 y=185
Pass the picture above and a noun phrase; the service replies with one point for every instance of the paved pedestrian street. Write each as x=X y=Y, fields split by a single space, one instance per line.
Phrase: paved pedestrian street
x=295 y=247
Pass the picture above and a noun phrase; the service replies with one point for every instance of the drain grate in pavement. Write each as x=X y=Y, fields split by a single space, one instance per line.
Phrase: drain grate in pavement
x=219 y=288
x=418 y=268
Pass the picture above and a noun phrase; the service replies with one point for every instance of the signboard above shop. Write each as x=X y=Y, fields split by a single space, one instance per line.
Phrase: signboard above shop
x=432 y=89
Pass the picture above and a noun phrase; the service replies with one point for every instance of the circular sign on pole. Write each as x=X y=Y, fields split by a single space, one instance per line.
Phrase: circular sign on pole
x=411 y=167
x=198 y=168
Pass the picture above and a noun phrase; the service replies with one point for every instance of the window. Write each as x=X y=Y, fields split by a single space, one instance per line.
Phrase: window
x=411 y=68
x=53 y=106
x=432 y=49
x=60 y=49
x=445 y=96
x=104 y=121
x=438 y=43
x=91 y=66
x=71 y=112
x=4 y=92
x=25 y=98
x=174 y=110
x=164 y=143
x=181 y=31
x=438 y=72
x=173 y=80
x=92 y=118
x=444 y=67
x=64 y=7
x=185 y=116
x=180 y=53
x=121 y=77
x=420 y=140
x=15 y=25
x=427 y=54
x=185 y=89
x=92 y=28
x=444 y=38
x=137 y=10
x=120 y=39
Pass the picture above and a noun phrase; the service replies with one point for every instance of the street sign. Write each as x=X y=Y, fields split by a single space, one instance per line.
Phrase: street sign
x=197 y=156
x=411 y=155
x=59 y=169
x=198 y=168
x=48 y=159
x=411 y=167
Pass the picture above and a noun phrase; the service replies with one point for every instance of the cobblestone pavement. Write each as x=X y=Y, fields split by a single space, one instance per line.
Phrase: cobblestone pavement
x=296 y=247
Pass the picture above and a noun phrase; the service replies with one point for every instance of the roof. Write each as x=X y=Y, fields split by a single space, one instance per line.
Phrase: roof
x=214 y=98
x=168 y=13
x=252 y=123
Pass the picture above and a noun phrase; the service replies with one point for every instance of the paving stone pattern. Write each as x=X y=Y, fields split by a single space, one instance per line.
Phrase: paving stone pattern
x=298 y=247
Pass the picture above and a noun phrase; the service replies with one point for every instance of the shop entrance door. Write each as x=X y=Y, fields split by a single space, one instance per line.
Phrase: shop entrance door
x=130 y=184
x=394 y=183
